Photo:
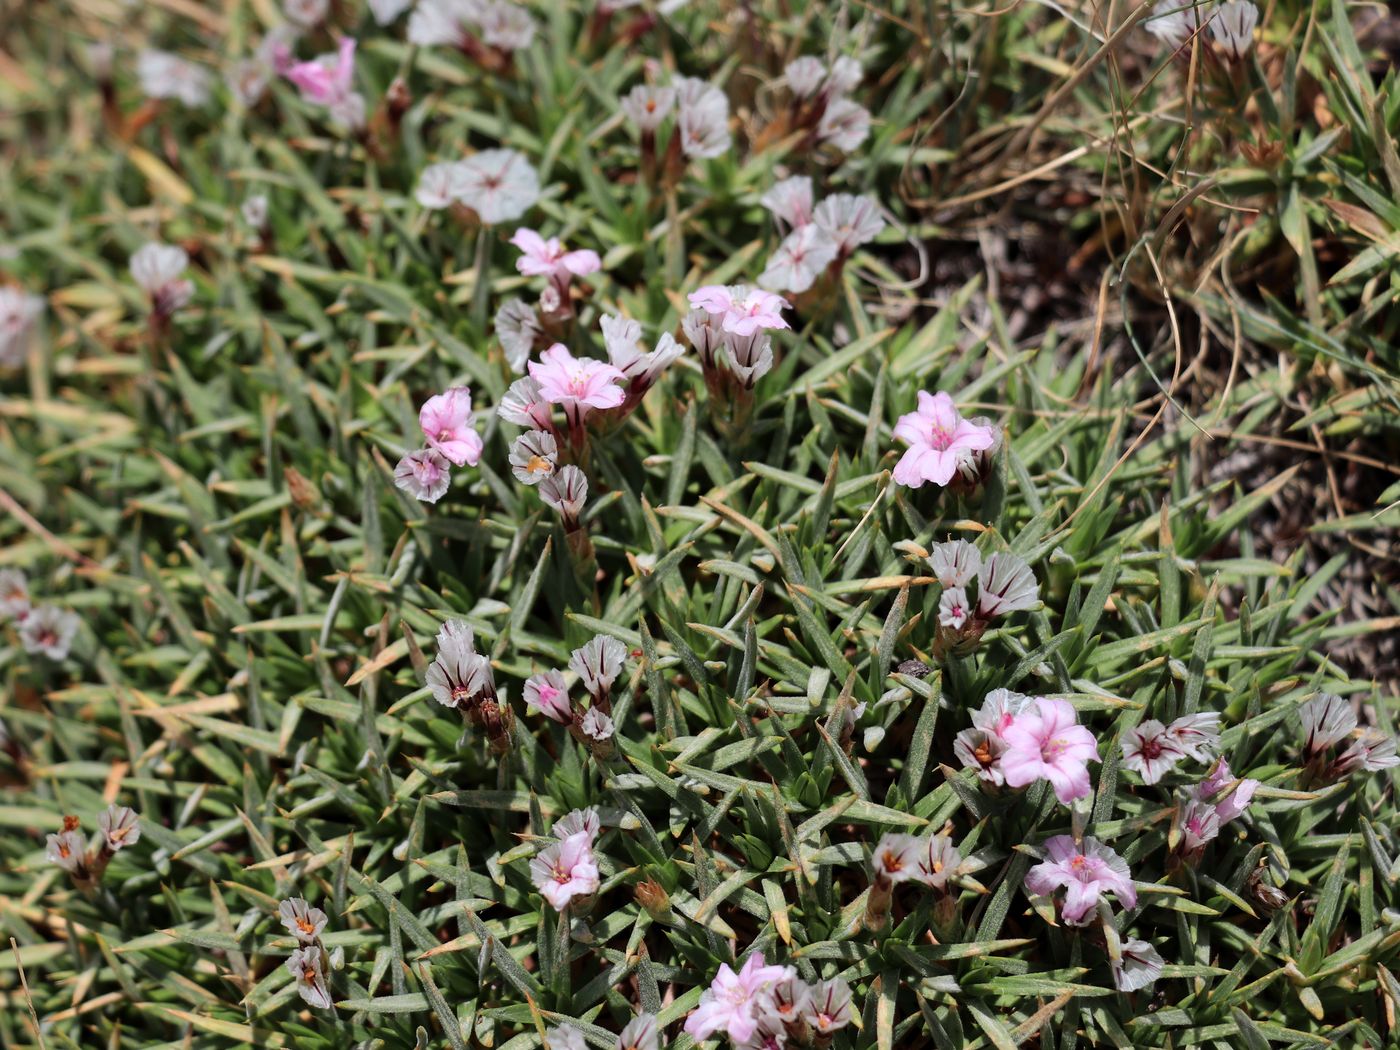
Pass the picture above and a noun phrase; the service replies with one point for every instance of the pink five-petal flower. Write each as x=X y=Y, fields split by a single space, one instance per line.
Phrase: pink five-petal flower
x=577 y=383
x=446 y=420
x=566 y=870
x=547 y=258
x=1085 y=871
x=742 y=310
x=936 y=434
x=1049 y=744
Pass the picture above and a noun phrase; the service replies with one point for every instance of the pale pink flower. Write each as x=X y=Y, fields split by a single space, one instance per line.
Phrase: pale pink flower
x=437 y=186
x=1327 y=720
x=505 y=26
x=803 y=256
x=163 y=75
x=896 y=857
x=565 y=870
x=48 y=631
x=955 y=563
x=525 y=406
x=533 y=456
x=458 y=673
x=18 y=312
x=845 y=76
x=308 y=966
x=328 y=80
x=1086 y=872
x=68 y=849
x=566 y=490
x=953 y=607
x=120 y=827
x=547 y=694
x=157 y=269
x=14 y=595
x=424 y=475
x=446 y=421
x=1049 y=744
x=519 y=330
x=1196 y=736
x=598 y=663
x=1138 y=966
x=1200 y=823
x=386 y=11
x=498 y=184
x=1372 y=752
x=597 y=725
x=547 y=258
x=1233 y=27
x=850 y=220
x=1149 y=751
x=844 y=124
x=938 y=862
x=647 y=106
x=804 y=76
x=1174 y=22
x=935 y=434
x=1005 y=584
x=302 y=921
x=749 y=357
x=702 y=120
x=578 y=821
x=831 y=1006
x=562 y=1037
x=1230 y=797
x=730 y=1003
x=742 y=310
x=579 y=384
x=444 y=23
x=790 y=200
x=640 y=1033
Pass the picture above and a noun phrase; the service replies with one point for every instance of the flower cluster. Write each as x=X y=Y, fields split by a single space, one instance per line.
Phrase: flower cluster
x=547 y=258
x=44 y=630
x=821 y=237
x=566 y=872
x=450 y=439
x=1329 y=721
x=120 y=828
x=487 y=31
x=309 y=963
x=1017 y=740
x=1176 y=24
x=1005 y=584
x=762 y=1007
x=461 y=678
x=597 y=665
x=930 y=860
x=821 y=104
x=728 y=326
x=701 y=124
x=1218 y=799
x=1152 y=750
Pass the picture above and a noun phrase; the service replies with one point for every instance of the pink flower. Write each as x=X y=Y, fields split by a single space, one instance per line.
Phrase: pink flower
x=1086 y=872
x=566 y=870
x=547 y=258
x=935 y=435
x=743 y=310
x=578 y=383
x=1149 y=751
x=732 y=1000
x=981 y=747
x=446 y=420
x=328 y=80
x=424 y=474
x=547 y=694
x=1196 y=736
x=1049 y=744
x=953 y=608
x=1237 y=794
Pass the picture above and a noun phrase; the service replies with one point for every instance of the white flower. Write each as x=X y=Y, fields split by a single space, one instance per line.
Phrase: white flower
x=533 y=456
x=519 y=330
x=803 y=256
x=308 y=966
x=849 y=219
x=1175 y=21
x=939 y=862
x=647 y=106
x=790 y=200
x=163 y=75
x=1373 y=752
x=385 y=11
x=524 y=405
x=845 y=76
x=156 y=268
x=254 y=211
x=18 y=312
x=953 y=607
x=640 y=1033
x=498 y=184
x=844 y=124
x=703 y=122
x=48 y=630
x=1327 y=720
x=458 y=674
x=1233 y=27
x=1196 y=736
x=120 y=827
x=831 y=1006
x=1139 y=966
x=302 y=921
x=306 y=13
x=749 y=357
x=14 y=594
x=435 y=186
x=896 y=857
x=622 y=338
x=563 y=1037
x=804 y=76
x=566 y=490
x=955 y=563
x=68 y=849
x=598 y=663
x=578 y=821
x=506 y=26
x=1005 y=584
x=442 y=23
x=1149 y=751
x=597 y=725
